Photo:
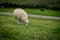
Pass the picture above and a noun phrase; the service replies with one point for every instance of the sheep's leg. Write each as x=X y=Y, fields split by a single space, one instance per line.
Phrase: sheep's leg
x=21 y=22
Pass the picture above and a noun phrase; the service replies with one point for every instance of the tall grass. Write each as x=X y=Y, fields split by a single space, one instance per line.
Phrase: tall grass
x=38 y=29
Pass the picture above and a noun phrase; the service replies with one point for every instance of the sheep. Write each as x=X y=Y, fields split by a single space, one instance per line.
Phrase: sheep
x=21 y=16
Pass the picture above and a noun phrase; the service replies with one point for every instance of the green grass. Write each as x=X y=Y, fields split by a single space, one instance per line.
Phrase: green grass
x=34 y=11
x=45 y=12
x=6 y=9
x=38 y=29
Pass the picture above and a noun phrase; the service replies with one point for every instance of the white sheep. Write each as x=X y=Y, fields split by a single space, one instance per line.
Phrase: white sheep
x=21 y=16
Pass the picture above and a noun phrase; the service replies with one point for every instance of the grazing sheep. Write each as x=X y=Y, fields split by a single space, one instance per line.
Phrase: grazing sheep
x=21 y=16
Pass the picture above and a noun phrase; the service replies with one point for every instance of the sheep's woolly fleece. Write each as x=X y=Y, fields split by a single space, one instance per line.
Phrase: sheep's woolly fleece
x=20 y=14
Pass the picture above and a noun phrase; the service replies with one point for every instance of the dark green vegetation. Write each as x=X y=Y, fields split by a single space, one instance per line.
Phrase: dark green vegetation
x=47 y=4
x=38 y=29
x=34 y=11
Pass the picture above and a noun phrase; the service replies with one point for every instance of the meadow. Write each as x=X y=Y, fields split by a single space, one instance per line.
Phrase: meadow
x=46 y=12
x=38 y=29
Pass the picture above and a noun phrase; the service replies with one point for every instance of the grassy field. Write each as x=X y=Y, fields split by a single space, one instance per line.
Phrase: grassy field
x=38 y=29
x=34 y=11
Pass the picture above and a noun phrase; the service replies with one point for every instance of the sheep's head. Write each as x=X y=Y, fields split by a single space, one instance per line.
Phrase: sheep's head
x=26 y=22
